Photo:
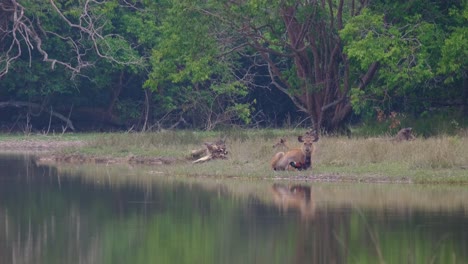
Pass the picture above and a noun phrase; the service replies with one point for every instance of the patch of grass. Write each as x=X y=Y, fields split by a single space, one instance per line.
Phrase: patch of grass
x=438 y=159
x=431 y=153
x=435 y=159
x=49 y=137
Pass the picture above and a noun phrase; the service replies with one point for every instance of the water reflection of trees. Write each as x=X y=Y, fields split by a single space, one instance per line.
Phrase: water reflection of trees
x=95 y=218
x=328 y=233
x=44 y=241
x=377 y=196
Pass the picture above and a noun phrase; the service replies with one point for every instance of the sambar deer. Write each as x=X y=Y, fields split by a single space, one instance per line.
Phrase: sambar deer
x=405 y=134
x=297 y=158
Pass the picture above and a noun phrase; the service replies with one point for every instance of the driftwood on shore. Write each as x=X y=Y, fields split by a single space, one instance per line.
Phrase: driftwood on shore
x=216 y=150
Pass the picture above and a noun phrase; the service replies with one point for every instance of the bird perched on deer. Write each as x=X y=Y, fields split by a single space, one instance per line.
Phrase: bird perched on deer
x=297 y=165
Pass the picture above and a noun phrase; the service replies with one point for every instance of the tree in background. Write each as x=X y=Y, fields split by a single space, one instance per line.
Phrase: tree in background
x=146 y=64
x=76 y=42
x=98 y=54
x=421 y=48
x=33 y=29
x=299 y=45
x=192 y=81
x=454 y=58
x=332 y=57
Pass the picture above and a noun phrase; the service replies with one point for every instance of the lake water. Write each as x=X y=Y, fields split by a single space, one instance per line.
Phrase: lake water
x=121 y=214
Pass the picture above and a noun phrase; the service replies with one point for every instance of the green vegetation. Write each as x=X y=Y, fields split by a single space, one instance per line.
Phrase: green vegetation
x=152 y=65
x=442 y=159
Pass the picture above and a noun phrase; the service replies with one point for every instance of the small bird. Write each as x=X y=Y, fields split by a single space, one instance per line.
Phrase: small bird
x=297 y=165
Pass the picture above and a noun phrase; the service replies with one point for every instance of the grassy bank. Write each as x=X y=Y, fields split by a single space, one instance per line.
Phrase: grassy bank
x=442 y=159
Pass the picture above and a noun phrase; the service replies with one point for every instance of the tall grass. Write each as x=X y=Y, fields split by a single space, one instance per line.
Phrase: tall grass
x=437 y=152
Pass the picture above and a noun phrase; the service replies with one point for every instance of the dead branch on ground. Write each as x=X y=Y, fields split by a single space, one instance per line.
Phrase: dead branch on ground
x=210 y=151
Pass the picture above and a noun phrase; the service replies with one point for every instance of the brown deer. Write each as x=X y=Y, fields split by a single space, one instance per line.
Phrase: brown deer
x=405 y=134
x=297 y=158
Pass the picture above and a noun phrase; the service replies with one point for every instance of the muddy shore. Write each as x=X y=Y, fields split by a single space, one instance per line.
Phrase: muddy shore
x=37 y=146
x=45 y=152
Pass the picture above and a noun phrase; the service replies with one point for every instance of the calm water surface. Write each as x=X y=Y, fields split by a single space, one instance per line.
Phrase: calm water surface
x=110 y=214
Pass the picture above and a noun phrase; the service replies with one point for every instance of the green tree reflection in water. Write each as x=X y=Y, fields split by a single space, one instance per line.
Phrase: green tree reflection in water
x=50 y=216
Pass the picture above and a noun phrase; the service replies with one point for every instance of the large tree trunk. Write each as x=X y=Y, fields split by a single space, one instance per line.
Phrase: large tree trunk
x=318 y=59
x=314 y=47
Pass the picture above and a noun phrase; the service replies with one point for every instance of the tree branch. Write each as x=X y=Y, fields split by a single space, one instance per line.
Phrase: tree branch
x=18 y=33
x=19 y=104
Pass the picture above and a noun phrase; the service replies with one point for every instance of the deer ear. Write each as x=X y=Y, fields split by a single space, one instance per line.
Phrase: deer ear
x=315 y=135
x=300 y=139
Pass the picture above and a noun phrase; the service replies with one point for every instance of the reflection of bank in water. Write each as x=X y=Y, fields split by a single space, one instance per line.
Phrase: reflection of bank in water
x=296 y=197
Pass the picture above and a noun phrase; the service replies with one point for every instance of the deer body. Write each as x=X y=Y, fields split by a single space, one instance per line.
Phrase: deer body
x=284 y=160
x=405 y=134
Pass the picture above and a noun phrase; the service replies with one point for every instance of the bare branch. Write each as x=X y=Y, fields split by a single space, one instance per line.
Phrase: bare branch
x=38 y=106
x=18 y=33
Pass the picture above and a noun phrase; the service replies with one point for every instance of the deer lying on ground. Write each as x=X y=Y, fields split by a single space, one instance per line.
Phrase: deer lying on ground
x=283 y=146
x=297 y=158
x=405 y=134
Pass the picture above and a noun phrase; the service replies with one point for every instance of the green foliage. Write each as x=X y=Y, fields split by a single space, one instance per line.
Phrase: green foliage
x=128 y=110
x=34 y=82
x=188 y=73
x=454 y=61
x=356 y=96
x=406 y=41
x=183 y=53
x=360 y=34
x=186 y=53
x=399 y=49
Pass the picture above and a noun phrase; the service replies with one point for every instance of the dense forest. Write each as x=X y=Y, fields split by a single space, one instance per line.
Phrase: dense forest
x=147 y=65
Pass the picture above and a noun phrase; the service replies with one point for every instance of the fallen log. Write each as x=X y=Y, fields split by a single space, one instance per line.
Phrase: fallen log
x=210 y=151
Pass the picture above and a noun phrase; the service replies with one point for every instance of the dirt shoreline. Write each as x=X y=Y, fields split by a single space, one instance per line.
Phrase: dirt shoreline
x=44 y=152
x=25 y=145
x=83 y=159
